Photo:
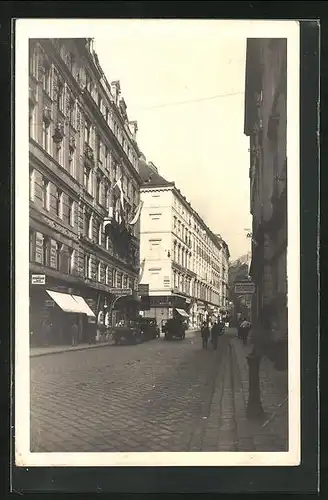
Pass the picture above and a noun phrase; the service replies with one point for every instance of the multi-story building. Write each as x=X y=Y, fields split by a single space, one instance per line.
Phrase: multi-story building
x=224 y=271
x=181 y=259
x=265 y=124
x=83 y=160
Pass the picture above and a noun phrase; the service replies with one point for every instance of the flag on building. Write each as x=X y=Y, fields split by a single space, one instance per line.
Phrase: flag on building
x=142 y=269
x=109 y=218
x=137 y=214
x=118 y=184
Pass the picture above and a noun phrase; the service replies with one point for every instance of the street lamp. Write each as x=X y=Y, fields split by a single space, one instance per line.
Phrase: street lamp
x=254 y=408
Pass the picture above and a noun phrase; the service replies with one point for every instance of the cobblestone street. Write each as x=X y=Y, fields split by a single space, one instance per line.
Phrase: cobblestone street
x=157 y=396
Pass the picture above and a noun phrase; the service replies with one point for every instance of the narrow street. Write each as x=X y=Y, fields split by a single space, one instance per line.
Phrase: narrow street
x=156 y=396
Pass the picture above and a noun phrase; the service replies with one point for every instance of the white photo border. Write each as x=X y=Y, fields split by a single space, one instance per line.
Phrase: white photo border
x=49 y=28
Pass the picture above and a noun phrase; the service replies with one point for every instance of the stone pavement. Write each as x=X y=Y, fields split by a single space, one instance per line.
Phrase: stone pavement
x=156 y=396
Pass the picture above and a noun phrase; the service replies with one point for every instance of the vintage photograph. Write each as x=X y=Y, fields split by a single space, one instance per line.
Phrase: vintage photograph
x=151 y=301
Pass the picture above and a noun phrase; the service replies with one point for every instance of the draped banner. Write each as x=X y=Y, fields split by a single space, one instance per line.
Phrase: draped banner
x=137 y=214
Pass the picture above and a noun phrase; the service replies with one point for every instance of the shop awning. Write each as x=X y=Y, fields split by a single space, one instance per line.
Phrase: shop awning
x=83 y=306
x=182 y=312
x=65 y=302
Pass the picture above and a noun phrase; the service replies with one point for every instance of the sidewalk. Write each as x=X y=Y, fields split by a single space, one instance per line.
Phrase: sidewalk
x=227 y=427
x=56 y=349
x=272 y=433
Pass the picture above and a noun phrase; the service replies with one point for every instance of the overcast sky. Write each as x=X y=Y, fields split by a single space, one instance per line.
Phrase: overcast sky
x=199 y=144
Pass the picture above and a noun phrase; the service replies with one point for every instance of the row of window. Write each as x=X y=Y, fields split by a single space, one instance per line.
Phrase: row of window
x=59 y=155
x=184 y=284
x=51 y=253
x=182 y=256
x=186 y=216
x=103 y=273
x=53 y=85
x=109 y=118
x=64 y=101
x=55 y=201
x=48 y=193
x=186 y=235
x=182 y=231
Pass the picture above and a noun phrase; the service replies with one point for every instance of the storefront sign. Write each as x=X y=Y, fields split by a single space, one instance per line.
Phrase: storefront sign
x=38 y=248
x=143 y=289
x=120 y=291
x=38 y=279
x=244 y=288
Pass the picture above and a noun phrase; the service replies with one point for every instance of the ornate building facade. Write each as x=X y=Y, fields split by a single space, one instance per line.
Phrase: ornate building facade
x=183 y=262
x=265 y=124
x=83 y=160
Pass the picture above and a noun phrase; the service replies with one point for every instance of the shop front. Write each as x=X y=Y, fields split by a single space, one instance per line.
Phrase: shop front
x=125 y=306
x=54 y=308
x=163 y=308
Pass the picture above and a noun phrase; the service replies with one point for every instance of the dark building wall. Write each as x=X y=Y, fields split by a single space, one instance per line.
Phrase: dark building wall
x=265 y=124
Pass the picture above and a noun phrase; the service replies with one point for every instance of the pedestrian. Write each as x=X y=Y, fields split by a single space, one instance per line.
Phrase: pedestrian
x=215 y=335
x=74 y=331
x=221 y=327
x=205 y=333
x=239 y=322
x=245 y=327
x=47 y=332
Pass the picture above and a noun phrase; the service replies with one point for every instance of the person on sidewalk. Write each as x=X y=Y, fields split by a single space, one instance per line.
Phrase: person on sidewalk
x=245 y=327
x=216 y=331
x=47 y=333
x=205 y=333
x=221 y=327
x=74 y=331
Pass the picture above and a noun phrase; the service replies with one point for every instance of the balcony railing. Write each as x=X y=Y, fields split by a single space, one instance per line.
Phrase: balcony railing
x=88 y=153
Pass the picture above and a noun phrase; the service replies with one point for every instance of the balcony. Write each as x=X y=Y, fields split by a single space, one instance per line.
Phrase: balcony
x=89 y=155
x=59 y=133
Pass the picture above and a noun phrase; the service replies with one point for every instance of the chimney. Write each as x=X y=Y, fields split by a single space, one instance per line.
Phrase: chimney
x=116 y=90
x=134 y=129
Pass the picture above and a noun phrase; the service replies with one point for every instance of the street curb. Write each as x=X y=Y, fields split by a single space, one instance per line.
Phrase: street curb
x=84 y=348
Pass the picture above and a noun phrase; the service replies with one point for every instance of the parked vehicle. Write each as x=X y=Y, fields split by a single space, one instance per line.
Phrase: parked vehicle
x=128 y=331
x=148 y=328
x=174 y=328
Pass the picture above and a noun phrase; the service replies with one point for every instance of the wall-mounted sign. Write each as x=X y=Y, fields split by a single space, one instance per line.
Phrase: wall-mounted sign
x=53 y=254
x=120 y=291
x=39 y=248
x=244 y=288
x=143 y=289
x=38 y=279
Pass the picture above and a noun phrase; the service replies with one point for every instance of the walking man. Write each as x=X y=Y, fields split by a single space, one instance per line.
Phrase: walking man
x=215 y=335
x=245 y=327
x=74 y=330
x=205 y=332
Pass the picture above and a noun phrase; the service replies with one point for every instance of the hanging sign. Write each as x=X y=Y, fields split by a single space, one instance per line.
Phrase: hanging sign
x=244 y=288
x=120 y=291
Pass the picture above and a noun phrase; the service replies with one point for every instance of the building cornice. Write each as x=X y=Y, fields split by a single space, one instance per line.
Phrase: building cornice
x=163 y=187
